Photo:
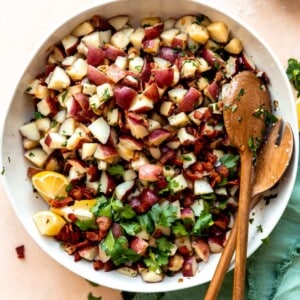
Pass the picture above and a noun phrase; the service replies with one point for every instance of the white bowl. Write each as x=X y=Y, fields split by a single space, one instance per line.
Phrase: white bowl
x=19 y=188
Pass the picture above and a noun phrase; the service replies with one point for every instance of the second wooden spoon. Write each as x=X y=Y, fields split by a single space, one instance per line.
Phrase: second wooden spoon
x=279 y=146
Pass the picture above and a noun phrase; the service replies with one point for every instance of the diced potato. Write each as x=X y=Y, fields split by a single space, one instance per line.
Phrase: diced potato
x=218 y=31
x=198 y=33
x=234 y=46
x=150 y=21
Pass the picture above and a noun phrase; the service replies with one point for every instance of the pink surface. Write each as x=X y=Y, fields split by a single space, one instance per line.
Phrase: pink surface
x=23 y=26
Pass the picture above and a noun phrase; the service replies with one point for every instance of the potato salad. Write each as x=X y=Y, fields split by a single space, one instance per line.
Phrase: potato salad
x=127 y=143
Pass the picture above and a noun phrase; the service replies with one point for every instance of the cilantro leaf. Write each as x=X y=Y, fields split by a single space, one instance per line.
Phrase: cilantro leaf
x=155 y=261
x=146 y=222
x=116 y=170
x=86 y=224
x=122 y=254
x=203 y=223
x=164 y=214
x=293 y=73
x=179 y=229
x=131 y=228
x=163 y=245
x=230 y=161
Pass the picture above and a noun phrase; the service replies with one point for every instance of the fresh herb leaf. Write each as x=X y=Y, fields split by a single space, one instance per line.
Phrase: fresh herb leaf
x=122 y=254
x=37 y=115
x=146 y=222
x=155 y=261
x=172 y=185
x=293 y=73
x=131 y=228
x=253 y=144
x=108 y=244
x=203 y=223
x=179 y=229
x=259 y=228
x=92 y=297
x=86 y=224
x=116 y=170
x=164 y=214
x=240 y=94
x=92 y=283
x=163 y=245
x=127 y=212
x=3 y=170
x=230 y=161
x=265 y=240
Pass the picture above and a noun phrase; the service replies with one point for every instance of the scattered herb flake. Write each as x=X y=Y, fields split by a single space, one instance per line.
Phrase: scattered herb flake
x=259 y=228
x=116 y=170
x=92 y=297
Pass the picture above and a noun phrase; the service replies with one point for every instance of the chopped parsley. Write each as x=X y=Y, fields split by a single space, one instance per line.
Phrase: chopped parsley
x=230 y=161
x=240 y=94
x=164 y=214
x=253 y=144
x=3 y=170
x=266 y=114
x=37 y=115
x=259 y=228
x=92 y=297
x=116 y=170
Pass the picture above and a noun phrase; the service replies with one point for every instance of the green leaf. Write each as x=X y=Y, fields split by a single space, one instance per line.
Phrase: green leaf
x=230 y=161
x=293 y=73
x=86 y=224
x=164 y=245
x=131 y=228
x=146 y=222
x=203 y=222
x=155 y=261
x=116 y=170
x=128 y=212
x=92 y=297
x=107 y=245
x=122 y=254
x=164 y=214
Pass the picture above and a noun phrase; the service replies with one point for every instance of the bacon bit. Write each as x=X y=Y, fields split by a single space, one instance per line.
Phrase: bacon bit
x=69 y=234
x=222 y=170
x=81 y=192
x=104 y=223
x=77 y=257
x=98 y=265
x=92 y=236
x=32 y=171
x=216 y=178
x=167 y=157
x=72 y=217
x=57 y=203
x=20 y=251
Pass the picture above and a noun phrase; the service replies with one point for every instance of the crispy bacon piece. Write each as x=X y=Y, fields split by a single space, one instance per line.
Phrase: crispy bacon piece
x=20 y=251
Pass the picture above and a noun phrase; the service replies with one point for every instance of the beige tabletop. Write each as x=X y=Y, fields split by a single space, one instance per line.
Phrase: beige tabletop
x=23 y=25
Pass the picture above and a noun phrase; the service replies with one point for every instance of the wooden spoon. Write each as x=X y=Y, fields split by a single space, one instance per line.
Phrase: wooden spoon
x=245 y=97
x=279 y=146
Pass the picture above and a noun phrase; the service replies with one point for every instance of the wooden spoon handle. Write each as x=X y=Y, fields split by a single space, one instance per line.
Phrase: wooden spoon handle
x=225 y=259
x=242 y=226
x=223 y=265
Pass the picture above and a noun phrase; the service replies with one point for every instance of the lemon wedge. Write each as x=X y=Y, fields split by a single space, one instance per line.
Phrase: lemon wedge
x=298 y=112
x=48 y=222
